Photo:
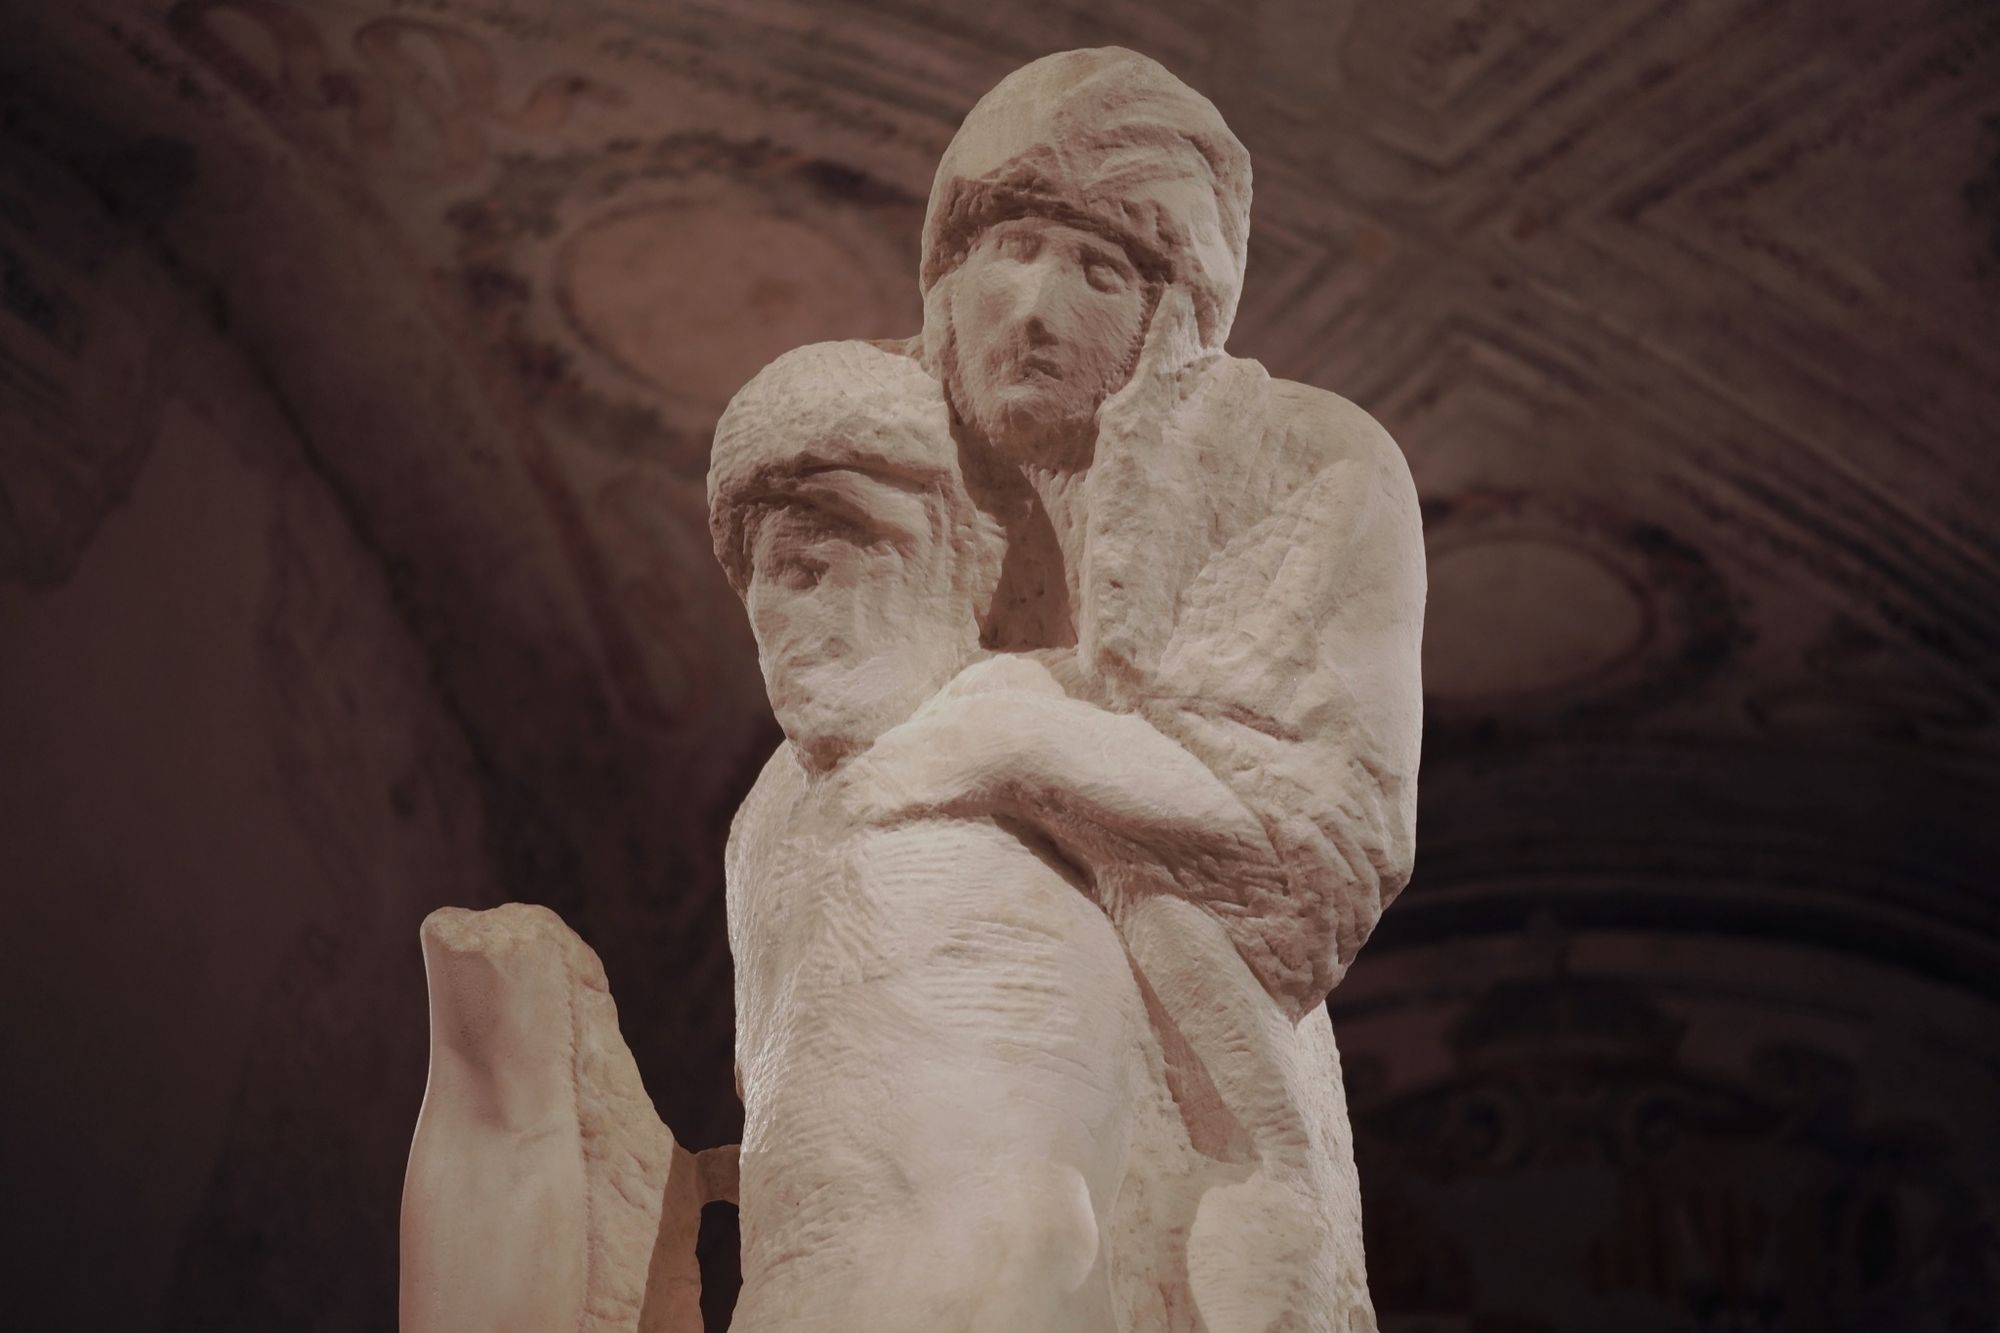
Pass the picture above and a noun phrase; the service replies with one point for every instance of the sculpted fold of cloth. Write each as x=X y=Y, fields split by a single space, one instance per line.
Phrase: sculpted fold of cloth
x=1096 y=654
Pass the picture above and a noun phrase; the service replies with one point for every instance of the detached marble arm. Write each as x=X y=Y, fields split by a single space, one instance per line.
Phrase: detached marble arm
x=542 y=1191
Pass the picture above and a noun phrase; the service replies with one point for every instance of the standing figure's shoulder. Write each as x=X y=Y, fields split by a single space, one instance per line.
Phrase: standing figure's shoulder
x=1330 y=428
x=1302 y=430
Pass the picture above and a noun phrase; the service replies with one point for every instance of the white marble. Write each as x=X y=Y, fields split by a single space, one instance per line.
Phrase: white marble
x=543 y=1193
x=1096 y=651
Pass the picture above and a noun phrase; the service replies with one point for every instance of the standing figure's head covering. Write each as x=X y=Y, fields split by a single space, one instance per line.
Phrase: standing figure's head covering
x=1105 y=139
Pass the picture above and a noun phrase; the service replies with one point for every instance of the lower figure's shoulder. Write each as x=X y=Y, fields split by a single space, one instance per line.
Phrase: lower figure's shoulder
x=781 y=781
x=772 y=803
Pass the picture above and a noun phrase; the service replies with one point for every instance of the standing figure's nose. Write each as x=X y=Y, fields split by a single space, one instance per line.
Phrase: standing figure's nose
x=1036 y=292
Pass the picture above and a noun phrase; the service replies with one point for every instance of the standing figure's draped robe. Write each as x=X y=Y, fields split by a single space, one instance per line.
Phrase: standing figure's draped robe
x=1291 y=670
x=1252 y=587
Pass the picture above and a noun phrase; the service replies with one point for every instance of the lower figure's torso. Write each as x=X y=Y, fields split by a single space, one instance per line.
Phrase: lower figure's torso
x=940 y=1089
x=951 y=1077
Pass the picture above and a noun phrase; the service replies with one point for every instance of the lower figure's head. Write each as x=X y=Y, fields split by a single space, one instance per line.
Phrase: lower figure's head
x=840 y=515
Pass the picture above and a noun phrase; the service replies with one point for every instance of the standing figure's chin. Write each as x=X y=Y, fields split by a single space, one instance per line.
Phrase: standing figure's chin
x=1011 y=418
x=1033 y=427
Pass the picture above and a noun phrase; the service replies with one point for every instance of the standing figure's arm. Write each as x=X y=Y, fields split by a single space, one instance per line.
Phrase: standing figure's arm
x=1293 y=674
x=1111 y=794
x=1262 y=761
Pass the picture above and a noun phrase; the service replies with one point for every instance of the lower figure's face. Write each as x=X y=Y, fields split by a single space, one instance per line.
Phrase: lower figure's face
x=1047 y=320
x=856 y=612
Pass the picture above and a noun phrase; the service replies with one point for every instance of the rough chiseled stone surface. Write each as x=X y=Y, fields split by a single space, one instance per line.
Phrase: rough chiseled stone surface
x=1096 y=652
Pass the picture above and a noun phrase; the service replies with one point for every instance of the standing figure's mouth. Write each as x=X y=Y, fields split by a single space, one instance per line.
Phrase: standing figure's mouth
x=1040 y=366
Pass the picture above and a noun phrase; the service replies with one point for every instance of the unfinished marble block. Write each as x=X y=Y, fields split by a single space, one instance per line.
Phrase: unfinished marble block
x=543 y=1192
x=1096 y=653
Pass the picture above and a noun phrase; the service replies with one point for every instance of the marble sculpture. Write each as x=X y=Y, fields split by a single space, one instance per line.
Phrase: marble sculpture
x=1096 y=654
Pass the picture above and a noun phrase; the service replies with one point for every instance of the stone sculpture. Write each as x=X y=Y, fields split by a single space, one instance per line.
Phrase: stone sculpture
x=1185 y=713
x=1096 y=653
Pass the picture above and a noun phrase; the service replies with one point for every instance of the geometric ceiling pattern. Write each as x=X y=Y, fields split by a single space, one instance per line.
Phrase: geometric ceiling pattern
x=1686 y=316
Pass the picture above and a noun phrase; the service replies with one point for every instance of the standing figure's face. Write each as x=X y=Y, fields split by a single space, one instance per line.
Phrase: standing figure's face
x=1047 y=320
x=855 y=608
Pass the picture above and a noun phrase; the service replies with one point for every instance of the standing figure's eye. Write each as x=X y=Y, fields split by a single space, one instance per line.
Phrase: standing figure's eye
x=1019 y=244
x=798 y=571
x=1104 y=275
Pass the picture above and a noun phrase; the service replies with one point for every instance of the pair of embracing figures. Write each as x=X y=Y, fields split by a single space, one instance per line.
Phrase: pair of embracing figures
x=1096 y=653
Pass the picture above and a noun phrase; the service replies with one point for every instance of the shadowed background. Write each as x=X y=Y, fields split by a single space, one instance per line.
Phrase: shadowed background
x=357 y=364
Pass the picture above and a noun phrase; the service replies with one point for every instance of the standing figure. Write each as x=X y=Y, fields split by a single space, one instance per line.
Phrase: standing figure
x=1222 y=576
